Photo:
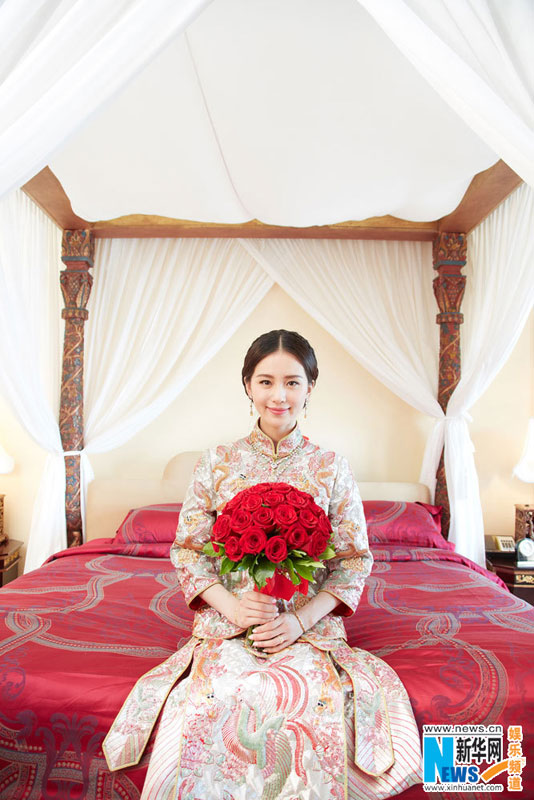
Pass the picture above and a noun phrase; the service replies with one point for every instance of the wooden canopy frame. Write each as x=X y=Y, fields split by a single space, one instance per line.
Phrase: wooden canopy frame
x=485 y=192
x=449 y=236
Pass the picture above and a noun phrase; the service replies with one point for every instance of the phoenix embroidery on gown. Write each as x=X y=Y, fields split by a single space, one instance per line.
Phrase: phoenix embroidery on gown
x=318 y=720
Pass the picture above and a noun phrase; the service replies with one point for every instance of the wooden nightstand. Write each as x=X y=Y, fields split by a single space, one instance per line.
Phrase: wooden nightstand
x=519 y=580
x=9 y=561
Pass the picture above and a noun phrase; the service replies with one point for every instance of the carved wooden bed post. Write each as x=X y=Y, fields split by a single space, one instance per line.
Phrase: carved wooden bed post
x=77 y=252
x=449 y=255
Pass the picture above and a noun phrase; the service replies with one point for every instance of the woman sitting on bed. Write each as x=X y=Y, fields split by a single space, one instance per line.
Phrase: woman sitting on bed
x=278 y=723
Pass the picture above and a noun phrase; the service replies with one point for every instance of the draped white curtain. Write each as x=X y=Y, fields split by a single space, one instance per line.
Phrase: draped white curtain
x=167 y=306
x=62 y=59
x=30 y=353
x=374 y=297
x=499 y=296
x=477 y=54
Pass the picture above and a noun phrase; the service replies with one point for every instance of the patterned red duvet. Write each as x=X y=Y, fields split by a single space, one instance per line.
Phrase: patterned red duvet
x=77 y=633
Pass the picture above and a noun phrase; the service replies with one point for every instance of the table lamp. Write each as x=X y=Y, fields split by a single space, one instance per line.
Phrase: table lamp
x=6 y=465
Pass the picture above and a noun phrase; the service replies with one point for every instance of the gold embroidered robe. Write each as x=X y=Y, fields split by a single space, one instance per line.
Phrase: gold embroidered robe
x=318 y=719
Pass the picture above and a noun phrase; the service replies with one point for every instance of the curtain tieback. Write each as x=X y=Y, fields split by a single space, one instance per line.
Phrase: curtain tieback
x=447 y=418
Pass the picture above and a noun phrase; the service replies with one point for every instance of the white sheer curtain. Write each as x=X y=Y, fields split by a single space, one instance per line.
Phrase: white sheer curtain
x=62 y=59
x=30 y=354
x=499 y=296
x=167 y=306
x=477 y=54
x=374 y=297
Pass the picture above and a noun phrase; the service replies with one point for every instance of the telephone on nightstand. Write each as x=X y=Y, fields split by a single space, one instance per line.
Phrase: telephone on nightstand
x=500 y=544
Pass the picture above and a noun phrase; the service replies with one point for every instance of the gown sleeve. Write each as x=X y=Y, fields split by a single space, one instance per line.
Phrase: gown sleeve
x=346 y=573
x=196 y=571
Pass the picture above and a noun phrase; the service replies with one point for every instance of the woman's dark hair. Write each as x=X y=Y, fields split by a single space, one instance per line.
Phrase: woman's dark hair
x=288 y=341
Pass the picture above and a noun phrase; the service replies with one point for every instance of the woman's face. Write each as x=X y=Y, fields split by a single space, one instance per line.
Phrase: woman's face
x=278 y=388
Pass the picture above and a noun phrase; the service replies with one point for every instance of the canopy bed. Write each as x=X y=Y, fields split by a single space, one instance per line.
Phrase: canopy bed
x=79 y=631
x=108 y=607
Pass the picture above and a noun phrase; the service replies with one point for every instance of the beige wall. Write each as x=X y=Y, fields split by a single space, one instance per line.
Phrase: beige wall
x=349 y=411
x=20 y=486
x=498 y=432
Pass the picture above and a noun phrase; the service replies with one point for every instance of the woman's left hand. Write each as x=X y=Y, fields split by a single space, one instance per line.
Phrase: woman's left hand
x=273 y=636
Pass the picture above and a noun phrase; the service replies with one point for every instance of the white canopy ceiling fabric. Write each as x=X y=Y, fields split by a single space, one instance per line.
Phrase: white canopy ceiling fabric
x=294 y=112
x=479 y=56
x=62 y=59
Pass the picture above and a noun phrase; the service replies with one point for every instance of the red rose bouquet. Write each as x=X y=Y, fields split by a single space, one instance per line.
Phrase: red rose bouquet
x=275 y=532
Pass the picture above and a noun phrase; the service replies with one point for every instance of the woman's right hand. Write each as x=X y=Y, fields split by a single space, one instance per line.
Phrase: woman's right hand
x=253 y=608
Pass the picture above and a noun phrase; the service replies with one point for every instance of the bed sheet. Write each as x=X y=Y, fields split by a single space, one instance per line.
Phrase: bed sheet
x=77 y=633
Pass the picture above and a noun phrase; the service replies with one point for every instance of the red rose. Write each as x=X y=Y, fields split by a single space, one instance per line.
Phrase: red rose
x=283 y=488
x=276 y=549
x=263 y=517
x=297 y=537
x=298 y=499
x=316 y=544
x=324 y=526
x=308 y=519
x=240 y=520
x=273 y=498
x=221 y=529
x=262 y=487
x=285 y=515
x=253 y=541
x=232 y=503
x=251 y=502
x=234 y=549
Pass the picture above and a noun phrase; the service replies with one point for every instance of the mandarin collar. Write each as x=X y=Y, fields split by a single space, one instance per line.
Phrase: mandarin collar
x=287 y=445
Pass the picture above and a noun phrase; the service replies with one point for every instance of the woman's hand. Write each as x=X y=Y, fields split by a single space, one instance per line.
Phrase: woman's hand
x=254 y=608
x=273 y=636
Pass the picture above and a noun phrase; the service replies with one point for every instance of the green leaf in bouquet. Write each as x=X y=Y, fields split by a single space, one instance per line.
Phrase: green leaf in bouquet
x=288 y=565
x=305 y=572
x=227 y=565
x=328 y=553
x=308 y=561
x=247 y=561
x=209 y=550
x=263 y=570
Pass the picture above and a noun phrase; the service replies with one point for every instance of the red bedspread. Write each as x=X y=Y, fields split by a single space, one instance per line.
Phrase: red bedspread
x=76 y=634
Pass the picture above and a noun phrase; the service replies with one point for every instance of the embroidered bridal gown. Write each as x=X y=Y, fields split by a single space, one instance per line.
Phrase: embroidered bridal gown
x=318 y=720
